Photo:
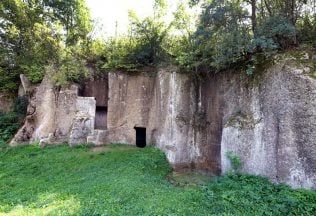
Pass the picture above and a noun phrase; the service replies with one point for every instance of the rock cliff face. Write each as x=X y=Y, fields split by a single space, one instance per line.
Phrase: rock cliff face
x=268 y=120
x=272 y=125
x=55 y=115
x=168 y=106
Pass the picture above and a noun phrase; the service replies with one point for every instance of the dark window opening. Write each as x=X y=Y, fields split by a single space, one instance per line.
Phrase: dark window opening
x=81 y=91
x=140 y=137
x=101 y=118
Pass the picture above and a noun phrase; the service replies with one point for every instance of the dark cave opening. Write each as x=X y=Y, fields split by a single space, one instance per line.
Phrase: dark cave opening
x=101 y=118
x=140 y=137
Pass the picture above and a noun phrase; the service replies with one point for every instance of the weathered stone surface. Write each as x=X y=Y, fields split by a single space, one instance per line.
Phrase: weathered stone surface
x=268 y=120
x=98 y=137
x=21 y=91
x=169 y=106
x=98 y=88
x=50 y=113
x=83 y=121
x=281 y=142
x=51 y=139
x=165 y=104
x=26 y=84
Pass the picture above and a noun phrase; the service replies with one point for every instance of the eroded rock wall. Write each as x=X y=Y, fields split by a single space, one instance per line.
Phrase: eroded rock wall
x=83 y=120
x=171 y=108
x=271 y=125
x=97 y=88
x=55 y=115
x=269 y=120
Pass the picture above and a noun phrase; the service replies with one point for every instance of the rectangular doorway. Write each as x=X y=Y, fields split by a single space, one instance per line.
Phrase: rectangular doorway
x=101 y=118
x=140 y=137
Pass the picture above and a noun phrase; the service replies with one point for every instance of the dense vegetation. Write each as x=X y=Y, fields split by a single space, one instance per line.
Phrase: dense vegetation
x=39 y=37
x=10 y=122
x=37 y=33
x=226 y=34
x=120 y=180
x=234 y=34
x=54 y=38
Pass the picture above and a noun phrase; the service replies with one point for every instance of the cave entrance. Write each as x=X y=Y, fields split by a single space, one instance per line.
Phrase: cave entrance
x=97 y=87
x=140 y=137
x=101 y=113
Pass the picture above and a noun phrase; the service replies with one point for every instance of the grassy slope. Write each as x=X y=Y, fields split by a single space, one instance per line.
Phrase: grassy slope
x=129 y=181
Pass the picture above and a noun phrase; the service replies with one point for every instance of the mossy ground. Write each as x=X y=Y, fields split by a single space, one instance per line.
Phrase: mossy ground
x=119 y=180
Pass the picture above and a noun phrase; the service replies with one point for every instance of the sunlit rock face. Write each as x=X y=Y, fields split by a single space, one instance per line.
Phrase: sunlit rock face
x=49 y=114
x=268 y=120
x=83 y=120
x=272 y=125
x=169 y=106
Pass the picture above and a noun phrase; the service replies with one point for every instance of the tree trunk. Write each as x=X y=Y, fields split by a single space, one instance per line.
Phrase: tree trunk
x=289 y=9
x=268 y=8
x=254 y=16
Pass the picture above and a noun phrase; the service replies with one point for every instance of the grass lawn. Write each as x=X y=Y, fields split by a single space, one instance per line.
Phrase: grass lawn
x=122 y=180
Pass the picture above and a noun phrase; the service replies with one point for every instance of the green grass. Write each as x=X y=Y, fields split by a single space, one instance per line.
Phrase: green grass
x=122 y=180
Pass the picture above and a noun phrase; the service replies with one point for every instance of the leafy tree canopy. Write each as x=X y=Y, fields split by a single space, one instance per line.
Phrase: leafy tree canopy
x=227 y=33
x=237 y=31
x=53 y=36
x=33 y=33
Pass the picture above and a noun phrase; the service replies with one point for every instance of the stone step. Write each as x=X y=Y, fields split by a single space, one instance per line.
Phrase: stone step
x=98 y=137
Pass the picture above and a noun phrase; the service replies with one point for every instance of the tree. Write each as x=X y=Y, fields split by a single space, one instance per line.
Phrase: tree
x=144 y=45
x=229 y=32
x=254 y=16
x=74 y=16
x=223 y=33
x=182 y=45
x=32 y=35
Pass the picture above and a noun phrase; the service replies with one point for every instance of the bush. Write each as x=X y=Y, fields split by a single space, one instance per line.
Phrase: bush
x=280 y=30
x=235 y=161
x=144 y=45
x=11 y=121
x=35 y=73
x=119 y=54
x=307 y=30
x=68 y=68
x=8 y=80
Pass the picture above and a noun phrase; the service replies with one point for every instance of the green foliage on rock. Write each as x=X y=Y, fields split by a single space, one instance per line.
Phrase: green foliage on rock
x=118 y=54
x=278 y=29
x=235 y=161
x=229 y=34
x=307 y=29
x=68 y=68
x=144 y=45
x=226 y=34
x=222 y=33
x=181 y=45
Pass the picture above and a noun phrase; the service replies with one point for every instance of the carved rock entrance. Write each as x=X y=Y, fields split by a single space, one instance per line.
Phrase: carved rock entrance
x=140 y=137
